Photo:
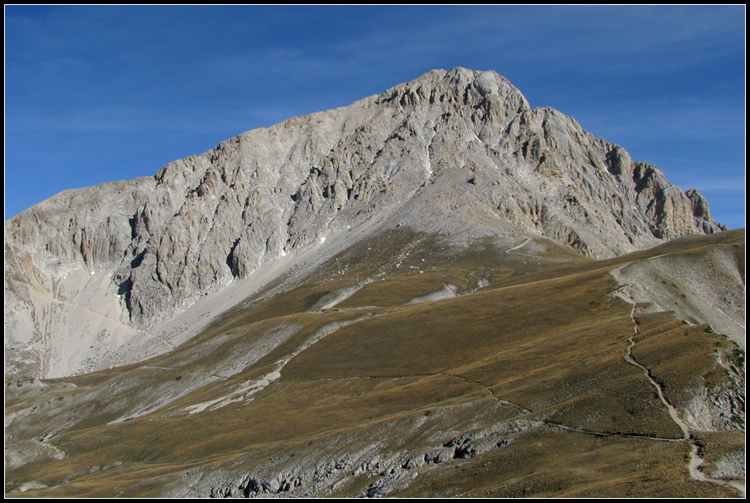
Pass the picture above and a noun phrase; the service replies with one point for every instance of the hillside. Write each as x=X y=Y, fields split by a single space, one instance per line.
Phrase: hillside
x=436 y=291
x=473 y=372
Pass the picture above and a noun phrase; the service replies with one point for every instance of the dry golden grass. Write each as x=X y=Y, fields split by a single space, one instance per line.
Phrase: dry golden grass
x=555 y=463
x=545 y=341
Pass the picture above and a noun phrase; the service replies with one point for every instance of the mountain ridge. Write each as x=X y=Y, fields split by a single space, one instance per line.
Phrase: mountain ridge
x=436 y=291
x=458 y=152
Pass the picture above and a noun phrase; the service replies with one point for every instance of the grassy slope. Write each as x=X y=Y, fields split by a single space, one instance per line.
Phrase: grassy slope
x=545 y=341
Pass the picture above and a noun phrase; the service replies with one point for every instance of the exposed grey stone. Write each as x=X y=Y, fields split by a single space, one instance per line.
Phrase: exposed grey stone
x=203 y=221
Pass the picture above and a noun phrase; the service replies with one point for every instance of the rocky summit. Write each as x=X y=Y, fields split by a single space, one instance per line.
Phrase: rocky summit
x=435 y=291
x=459 y=153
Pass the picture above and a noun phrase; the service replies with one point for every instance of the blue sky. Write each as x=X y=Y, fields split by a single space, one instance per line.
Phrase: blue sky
x=103 y=93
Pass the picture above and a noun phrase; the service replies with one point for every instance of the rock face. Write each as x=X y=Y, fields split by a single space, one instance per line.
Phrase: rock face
x=459 y=153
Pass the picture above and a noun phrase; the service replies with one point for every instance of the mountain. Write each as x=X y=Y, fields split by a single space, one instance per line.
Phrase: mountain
x=434 y=291
x=458 y=153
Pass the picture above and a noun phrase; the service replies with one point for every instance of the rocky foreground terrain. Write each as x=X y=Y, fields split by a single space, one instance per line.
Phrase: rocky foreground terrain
x=436 y=291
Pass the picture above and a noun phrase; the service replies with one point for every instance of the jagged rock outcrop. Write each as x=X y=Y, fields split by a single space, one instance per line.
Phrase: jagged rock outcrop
x=446 y=153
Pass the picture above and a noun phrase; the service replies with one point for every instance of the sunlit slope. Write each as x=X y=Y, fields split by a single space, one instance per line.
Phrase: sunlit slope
x=116 y=273
x=407 y=367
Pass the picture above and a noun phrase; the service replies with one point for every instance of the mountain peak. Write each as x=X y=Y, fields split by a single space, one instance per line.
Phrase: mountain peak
x=456 y=153
x=419 y=265
x=458 y=85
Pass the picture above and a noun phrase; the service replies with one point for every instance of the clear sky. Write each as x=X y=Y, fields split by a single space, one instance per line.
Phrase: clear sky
x=104 y=93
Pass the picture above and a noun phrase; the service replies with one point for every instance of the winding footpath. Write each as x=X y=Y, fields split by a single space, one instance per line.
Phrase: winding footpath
x=695 y=460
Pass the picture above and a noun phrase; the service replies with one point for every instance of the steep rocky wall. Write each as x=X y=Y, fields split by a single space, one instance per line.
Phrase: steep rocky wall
x=446 y=152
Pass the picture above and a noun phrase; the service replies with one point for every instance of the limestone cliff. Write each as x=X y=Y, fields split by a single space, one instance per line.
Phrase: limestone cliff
x=459 y=153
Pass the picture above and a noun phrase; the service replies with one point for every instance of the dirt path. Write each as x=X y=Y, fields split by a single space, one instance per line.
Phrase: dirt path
x=695 y=460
